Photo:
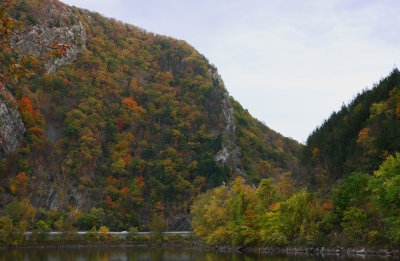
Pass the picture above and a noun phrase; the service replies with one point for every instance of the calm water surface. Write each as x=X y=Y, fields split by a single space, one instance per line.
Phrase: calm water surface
x=116 y=254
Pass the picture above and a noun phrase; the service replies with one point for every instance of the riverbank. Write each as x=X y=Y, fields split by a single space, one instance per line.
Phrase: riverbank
x=183 y=241
x=289 y=251
x=322 y=251
x=80 y=240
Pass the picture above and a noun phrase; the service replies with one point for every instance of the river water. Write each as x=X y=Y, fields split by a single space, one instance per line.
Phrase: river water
x=145 y=254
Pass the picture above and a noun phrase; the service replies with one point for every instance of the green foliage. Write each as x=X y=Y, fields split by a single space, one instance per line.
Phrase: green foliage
x=42 y=226
x=286 y=221
x=354 y=224
x=385 y=188
x=132 y=233
x=353 y=192
x=7 y=231
x=158 y=225
x=21 y=212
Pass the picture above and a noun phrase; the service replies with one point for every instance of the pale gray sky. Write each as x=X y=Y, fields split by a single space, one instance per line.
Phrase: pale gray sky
x=291 y=63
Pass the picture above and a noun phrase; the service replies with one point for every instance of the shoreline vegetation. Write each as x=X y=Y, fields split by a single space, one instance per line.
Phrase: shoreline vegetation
x=246 y=218
x=361 y=212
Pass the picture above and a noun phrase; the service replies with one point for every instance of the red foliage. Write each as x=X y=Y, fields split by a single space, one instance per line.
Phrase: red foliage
x=109 y=201
x=127 y=159
x=4 y=141
x=125 y=191
x=120 y=124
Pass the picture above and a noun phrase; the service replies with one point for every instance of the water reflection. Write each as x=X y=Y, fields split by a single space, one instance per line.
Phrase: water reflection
x=146 y=254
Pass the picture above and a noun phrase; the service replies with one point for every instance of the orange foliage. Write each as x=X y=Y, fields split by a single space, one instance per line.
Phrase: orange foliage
x=21 y=176
x=363 y=135
x=37 y=131
x=25 y=105
x=315 y=152
x=275 y=206
x=327 y=206
x=127 y=159
x=140 y=182
x=250 y=217
x=158 y=207
x=129 y=103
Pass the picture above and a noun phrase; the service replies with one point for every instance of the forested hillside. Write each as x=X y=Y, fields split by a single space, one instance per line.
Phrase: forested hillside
x=124 y=126
x=359 y=136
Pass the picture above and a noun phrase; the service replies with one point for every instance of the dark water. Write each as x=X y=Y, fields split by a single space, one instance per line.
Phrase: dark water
x=144 y=254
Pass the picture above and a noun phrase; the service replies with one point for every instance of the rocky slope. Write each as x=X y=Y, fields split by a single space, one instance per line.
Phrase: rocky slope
x=129 y=122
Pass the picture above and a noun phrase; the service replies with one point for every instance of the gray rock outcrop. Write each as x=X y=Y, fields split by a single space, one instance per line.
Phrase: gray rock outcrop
x=11 y=127
x=75 y=36
x=228 y=152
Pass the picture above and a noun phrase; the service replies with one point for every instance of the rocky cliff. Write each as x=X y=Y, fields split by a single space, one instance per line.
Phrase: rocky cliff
x=11 y=127
x=48 y=28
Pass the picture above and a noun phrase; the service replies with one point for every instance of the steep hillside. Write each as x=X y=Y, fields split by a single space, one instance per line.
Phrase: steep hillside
x=360 y=135
x=128 y=124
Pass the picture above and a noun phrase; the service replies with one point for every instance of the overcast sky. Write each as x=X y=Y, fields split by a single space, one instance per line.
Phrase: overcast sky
x=291 y=63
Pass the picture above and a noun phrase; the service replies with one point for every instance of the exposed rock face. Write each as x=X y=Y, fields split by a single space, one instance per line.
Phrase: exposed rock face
x=228 y=151
x=75 y=36
x=230 y=127
x=11 y=127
